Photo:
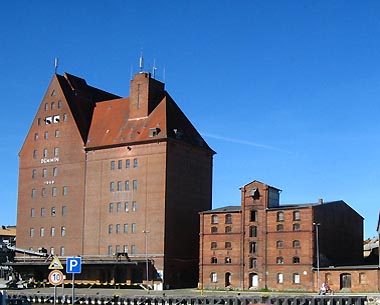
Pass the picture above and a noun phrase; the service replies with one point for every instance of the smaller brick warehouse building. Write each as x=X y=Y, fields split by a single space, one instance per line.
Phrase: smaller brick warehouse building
x=264 y=245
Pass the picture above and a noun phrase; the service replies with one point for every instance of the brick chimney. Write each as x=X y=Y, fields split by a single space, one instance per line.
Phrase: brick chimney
x=145 y=94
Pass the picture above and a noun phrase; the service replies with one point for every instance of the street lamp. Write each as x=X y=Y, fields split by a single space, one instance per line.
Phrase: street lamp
x=317 y=245
x=146 y=258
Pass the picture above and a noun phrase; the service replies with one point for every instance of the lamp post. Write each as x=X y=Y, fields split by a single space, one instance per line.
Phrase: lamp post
x=146 y=258
x=316 y=225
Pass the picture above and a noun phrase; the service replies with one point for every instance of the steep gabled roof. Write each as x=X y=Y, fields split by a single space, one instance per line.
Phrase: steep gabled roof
x=257 y=181
x=81 y=99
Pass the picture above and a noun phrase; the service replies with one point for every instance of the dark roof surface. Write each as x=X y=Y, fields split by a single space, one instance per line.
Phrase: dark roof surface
x=230 y=208
x=81 y=99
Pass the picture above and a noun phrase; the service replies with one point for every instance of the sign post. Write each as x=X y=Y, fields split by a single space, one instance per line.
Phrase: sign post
x=73 y=265
x=55 y=276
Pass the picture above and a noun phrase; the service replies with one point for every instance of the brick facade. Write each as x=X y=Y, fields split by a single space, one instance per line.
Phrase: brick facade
x=101 y=175
x=275 y=246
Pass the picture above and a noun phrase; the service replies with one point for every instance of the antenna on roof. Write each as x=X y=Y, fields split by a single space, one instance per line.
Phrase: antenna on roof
x=154 y=69
x=141 y=62
x=55 y=65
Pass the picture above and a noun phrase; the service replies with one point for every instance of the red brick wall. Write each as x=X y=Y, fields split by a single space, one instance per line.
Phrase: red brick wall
x=70 y=163
x=220 y=252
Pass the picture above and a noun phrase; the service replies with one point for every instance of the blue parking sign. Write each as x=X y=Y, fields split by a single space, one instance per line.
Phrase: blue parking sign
x=73 y=265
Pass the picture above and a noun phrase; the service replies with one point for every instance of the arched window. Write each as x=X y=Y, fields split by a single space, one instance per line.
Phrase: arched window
x=280 y=216
x=296 y=260
x=280 y=260
x=296 y=227
x=214 y=260
x=280 y=227
x=213 y=277
x=280 y=278
x=227 y=260
x=213 y=245
x=253 y=262
x=296 y=244
x=228 y=218
x=214 y=230
x=280 y=244
x=252 y=247
x=252 y=231
x=227 y=245
x=228 y=229
x=214 y=219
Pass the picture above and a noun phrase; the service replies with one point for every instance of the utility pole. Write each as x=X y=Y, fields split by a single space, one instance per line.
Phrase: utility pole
x=316 y=225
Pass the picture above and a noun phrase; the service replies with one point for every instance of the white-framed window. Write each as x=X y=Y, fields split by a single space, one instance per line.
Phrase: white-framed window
x=280 y=216
x=296 y=278
x=213 y=277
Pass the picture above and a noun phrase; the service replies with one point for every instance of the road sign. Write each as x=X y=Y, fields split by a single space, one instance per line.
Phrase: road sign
x=56 y=263
x=56 y=277
x=73 y=265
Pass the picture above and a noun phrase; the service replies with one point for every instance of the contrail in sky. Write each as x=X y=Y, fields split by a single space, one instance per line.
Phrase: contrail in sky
x=244 y=142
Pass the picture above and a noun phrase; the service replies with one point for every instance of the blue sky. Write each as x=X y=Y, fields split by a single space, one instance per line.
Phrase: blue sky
x=286 y=92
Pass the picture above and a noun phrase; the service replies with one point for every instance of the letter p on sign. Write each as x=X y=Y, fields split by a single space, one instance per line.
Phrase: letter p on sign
x=73 y=265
